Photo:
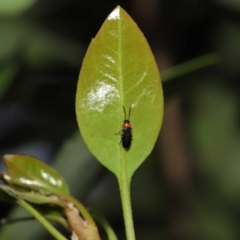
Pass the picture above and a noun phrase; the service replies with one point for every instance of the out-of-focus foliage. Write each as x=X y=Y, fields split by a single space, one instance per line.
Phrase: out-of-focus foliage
x=7 y=75
x=11 y=7
x=41 y=51
x=213 y=127
x=233 y=5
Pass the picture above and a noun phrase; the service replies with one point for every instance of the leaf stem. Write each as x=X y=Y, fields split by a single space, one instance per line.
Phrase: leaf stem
x=57 y=235
x=124 y=185
x=92 y=228
x=86 y=215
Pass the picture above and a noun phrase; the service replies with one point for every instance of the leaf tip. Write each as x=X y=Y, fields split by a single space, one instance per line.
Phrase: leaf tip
x=115 y=14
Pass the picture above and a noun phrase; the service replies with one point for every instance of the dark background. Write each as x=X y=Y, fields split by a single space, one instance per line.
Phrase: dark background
x=189 y=188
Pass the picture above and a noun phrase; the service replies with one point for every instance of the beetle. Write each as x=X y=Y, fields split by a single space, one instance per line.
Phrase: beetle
x=126 y=136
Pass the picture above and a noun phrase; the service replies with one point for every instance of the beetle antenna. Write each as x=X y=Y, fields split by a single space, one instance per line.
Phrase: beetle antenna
x=129 y=112
x=124 y=112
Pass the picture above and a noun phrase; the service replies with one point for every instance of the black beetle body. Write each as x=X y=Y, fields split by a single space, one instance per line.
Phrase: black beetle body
x=126 y=137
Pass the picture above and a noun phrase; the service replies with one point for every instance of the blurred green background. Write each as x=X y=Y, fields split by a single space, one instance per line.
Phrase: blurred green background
x=189 y=188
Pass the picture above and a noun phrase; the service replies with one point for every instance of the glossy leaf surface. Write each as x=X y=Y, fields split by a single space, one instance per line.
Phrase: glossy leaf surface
x=119 y=70
x=30 y=172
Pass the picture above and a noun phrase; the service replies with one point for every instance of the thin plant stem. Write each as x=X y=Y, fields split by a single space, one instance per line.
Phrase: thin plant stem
x=5 y=221
x=124 y=185
x=57 y=235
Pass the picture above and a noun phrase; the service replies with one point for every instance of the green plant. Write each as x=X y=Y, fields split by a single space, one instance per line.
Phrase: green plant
x=118 y=70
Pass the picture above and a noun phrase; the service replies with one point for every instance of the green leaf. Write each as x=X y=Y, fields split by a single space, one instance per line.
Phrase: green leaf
x=30 y=172
x=32 y=197
x=119 y=70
